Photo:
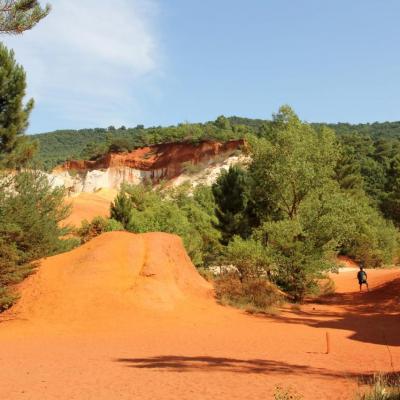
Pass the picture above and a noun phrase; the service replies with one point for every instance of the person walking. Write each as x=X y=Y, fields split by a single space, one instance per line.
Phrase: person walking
x=362 y=278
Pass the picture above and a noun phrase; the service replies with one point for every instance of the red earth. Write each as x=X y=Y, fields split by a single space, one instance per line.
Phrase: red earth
x=166 y=160
x=127 y=316
x=86 y=206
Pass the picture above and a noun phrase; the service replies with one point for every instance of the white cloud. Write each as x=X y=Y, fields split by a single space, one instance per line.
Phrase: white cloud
x=86 y=59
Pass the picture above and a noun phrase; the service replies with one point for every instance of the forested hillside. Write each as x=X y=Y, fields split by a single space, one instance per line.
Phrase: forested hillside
x=59 y=146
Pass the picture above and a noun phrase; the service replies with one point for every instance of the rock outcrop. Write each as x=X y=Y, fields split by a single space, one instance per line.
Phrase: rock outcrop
x=152 y=163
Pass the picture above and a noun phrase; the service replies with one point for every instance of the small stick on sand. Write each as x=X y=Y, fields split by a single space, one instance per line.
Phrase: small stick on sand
x=388 y=349
x=328 y=343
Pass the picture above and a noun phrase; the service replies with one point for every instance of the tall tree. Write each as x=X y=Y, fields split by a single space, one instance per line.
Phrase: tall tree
x=14 y=146
x=17 y=16
x=290 y=162
x=232 y=197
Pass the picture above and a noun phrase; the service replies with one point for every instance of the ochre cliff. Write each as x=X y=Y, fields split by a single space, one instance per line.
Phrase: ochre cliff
x=152 y=163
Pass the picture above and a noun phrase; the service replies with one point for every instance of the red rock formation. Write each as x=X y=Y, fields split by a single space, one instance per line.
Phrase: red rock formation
x=166 y=160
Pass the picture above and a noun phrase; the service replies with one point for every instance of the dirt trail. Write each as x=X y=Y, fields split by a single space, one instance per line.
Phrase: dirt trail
x=127 y=317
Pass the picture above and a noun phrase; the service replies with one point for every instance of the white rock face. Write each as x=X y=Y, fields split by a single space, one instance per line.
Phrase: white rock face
x=113 y=177
x=210 y=173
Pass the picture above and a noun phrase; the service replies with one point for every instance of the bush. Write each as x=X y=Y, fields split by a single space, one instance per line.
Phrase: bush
x=96 y=227
x=249 y=257
x=7 y=299
x=190 y=168
x=256 y=295
x=383 y=388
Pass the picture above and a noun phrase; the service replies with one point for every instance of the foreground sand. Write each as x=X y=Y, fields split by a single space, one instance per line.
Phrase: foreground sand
x=107 y=321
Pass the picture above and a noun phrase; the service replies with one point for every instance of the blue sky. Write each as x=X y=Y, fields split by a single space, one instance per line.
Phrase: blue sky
x=159 y=62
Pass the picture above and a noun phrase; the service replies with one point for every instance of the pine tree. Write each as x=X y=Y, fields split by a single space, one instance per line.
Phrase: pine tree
x=14 y=146
x=121 y=209
x=17 y=16
x=231 y=194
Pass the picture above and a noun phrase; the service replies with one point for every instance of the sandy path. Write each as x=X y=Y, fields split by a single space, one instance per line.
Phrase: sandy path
x=199 y=350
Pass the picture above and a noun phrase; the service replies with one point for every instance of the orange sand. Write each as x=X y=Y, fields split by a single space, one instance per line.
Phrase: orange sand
x=90 y=205
x=127 y=317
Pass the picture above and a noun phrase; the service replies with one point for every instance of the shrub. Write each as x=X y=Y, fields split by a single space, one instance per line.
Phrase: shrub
x=96 y=227
x=7 y=298
x=256 y=295
x=327 y=287
x=249 y=257
x=206 y=273
x=190 y=168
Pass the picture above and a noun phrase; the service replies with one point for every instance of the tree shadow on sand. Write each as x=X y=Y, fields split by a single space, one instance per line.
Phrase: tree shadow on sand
x=223 y=364
x=209 y=364
x=373 y=317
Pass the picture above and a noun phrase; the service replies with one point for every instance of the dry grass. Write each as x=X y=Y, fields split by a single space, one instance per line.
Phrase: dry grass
x=286 y=394
x=383 y=387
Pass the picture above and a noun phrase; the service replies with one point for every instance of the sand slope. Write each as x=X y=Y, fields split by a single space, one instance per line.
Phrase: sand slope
x=127 y=317
x=89 y=205
x=111 y=276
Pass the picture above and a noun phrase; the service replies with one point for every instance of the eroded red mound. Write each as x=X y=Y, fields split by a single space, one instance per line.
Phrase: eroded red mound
x=111 y=276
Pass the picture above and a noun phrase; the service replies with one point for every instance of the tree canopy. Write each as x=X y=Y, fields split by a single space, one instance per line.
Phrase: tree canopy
x=17 y=16
x=15 y=148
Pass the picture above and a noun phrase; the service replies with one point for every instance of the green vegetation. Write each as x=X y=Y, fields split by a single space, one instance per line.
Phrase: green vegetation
x=30 y=213
x=233 y=203
x=15 y=148
x=57 y=147
x=367 y=154
x=17 y=16
x=281 y=221
x=141 y=209
x=308 y=195
x=30 y=209
x=98 y=225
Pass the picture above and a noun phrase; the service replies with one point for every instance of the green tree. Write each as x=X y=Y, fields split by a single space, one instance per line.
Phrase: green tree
x=121 y=208
x=348 y=168
x=391 y=202
x=311 y=215
x=30 y=215
x=14 y=146
x=173 y=211
x=250 y=257
x=17 y=16
x=222 y=123
x=232 y=198
x=94 y=150
x=290 y=163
